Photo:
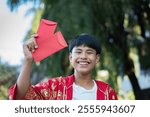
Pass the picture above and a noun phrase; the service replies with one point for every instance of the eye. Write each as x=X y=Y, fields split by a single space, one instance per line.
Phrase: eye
x=78 y=52
x=90 y=52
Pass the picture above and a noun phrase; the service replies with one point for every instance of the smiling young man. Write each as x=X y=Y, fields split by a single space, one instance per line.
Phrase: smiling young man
x=84 y=55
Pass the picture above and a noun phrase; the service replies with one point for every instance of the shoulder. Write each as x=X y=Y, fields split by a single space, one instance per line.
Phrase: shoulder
x=102 y=85
x=105 y=87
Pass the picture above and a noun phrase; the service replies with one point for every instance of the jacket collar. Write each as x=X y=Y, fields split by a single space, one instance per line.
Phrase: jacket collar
x=102 y=88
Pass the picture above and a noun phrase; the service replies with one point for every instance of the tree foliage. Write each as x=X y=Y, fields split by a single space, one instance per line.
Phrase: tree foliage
x=7 y=77
x=120 y=25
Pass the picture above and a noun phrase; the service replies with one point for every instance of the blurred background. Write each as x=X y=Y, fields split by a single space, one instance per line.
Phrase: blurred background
x=123 y=27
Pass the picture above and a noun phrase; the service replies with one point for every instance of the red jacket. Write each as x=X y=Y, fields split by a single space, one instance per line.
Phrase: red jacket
x=61 y=88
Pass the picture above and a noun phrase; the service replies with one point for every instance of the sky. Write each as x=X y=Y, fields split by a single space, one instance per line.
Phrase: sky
x=13 y=29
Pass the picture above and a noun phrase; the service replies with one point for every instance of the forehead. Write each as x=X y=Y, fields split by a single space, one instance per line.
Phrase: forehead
x=83 y=47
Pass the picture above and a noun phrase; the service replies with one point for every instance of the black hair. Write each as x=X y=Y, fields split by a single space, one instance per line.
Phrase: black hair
x=85 y=40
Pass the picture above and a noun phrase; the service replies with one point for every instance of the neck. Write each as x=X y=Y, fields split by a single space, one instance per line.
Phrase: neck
x=84 y=80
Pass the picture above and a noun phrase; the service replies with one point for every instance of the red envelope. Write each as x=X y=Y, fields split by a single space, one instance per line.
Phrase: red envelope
x=48 y=42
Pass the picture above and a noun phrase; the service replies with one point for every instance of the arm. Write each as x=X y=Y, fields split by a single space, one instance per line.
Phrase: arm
x=24 y=80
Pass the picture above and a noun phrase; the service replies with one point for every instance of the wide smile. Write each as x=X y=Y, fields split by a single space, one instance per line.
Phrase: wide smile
x=83 y=63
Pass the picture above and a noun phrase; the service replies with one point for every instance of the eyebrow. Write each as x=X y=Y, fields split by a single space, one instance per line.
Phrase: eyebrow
x=91 y=50
x=78 y=49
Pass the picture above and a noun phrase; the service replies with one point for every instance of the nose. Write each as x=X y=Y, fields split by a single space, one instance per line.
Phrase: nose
x=83 y=55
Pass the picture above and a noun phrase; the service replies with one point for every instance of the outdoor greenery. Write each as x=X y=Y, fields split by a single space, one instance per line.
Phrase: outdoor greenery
x=7 y=78
x=123 y=27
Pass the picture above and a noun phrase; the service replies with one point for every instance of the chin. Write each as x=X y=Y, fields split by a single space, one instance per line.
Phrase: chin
x=84 y=71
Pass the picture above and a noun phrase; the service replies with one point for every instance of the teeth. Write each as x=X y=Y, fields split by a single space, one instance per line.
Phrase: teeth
x=83 y=63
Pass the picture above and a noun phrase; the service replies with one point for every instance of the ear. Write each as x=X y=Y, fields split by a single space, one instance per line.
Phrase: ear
x=97 y=58
x=70 y=57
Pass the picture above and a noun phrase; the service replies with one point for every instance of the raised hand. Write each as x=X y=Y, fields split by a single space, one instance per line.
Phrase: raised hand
x=30 y=46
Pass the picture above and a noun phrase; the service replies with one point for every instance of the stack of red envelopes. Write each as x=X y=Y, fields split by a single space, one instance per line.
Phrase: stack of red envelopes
x=48 y=41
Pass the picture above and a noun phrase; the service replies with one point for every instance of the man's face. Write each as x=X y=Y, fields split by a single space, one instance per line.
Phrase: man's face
x=83 y=59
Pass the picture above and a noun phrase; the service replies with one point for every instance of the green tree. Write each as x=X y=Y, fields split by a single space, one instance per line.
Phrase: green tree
x=7 y=77
x=120 y=24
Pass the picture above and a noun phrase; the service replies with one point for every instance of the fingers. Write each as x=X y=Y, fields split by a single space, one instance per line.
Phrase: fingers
x=31 y=43
x=34 y=36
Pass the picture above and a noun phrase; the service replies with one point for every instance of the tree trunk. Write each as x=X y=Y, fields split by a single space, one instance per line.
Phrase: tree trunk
x=135 y=85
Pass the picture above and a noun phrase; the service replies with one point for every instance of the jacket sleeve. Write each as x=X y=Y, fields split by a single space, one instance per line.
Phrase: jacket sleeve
x=30 y=94
x=12 y=92
x=49 y=90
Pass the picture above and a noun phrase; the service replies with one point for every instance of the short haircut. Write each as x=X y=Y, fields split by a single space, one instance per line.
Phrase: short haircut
x=85 y=40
